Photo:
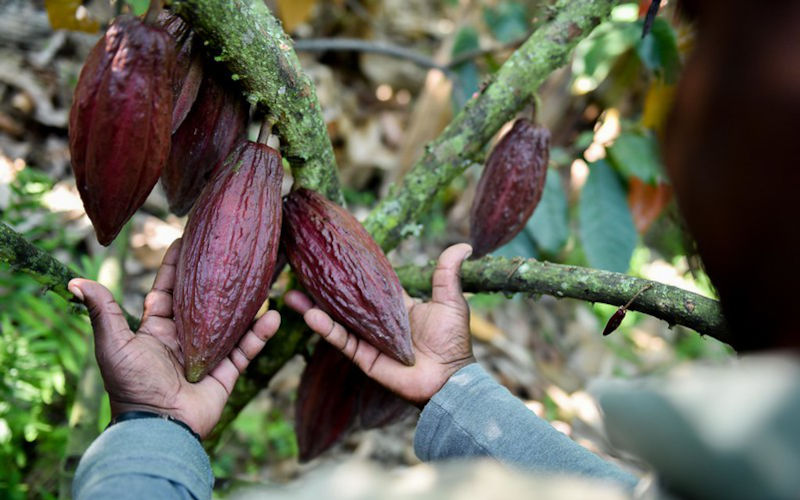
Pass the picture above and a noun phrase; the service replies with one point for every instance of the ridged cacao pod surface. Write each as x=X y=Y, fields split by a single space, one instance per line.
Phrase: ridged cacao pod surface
x=327 y=401
x=188 y=72
x=346 y=273
x=227 y=256
x=215 y=124
x=377 y=405
x=119 y=123
x=510 y=187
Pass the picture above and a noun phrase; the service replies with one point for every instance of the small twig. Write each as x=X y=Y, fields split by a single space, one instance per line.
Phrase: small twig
x=372 y=46
x=646 y=287
x=266 y=129
x=650 y=16
x=480 y=52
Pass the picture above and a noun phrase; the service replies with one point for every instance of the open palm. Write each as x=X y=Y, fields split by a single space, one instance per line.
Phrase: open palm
x=144 y=371
x=439 y=333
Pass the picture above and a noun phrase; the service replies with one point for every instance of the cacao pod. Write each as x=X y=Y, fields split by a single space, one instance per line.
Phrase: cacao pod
x=119 y=123
x=227 y=257
x=217 y=121
x=327 y=401
x=346 y=273
x=377 y=405
x=188 y=72
x=510 y=187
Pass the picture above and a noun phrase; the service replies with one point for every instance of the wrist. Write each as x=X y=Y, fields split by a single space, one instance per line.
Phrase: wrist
x=145 y=414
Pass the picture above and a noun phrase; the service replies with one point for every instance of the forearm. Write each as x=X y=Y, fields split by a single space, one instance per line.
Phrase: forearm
x=473 y=415
x=147 y=458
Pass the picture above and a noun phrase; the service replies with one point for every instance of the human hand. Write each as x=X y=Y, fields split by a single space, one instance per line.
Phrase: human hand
x=439 y=334
x=144 y=371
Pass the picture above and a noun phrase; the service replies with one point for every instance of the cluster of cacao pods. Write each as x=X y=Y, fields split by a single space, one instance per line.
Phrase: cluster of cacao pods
x=510 y=187
x=148 y=105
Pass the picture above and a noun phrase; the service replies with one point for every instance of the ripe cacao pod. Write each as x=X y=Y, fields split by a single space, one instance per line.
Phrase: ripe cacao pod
x=346 y=273
x=227 y=257
x=327 y=401
x=377 y=405
x=510 y=187
x=188 y=72
x=119 y=123
x=216 y=122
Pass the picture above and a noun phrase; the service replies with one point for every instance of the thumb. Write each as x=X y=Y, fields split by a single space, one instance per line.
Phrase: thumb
x=447 y=276
x=108 y=322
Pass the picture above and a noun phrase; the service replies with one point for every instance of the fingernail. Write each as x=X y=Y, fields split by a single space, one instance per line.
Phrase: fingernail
x=75 y=291
x=468 y=253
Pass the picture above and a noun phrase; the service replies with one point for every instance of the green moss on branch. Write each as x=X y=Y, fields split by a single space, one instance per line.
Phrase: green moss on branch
x=497 y=274
x=21 y=255
x=247 y=38
x=511 y=88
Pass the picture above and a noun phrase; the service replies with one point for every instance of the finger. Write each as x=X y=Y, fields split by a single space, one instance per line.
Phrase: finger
x=446 y=281
x=228 y=370
x=298 y=301
x=408 y=301
x=363 y=354
x=158 y=301
x=110 y=327
x=254 y=340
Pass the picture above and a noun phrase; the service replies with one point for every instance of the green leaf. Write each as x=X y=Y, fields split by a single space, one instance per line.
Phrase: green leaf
x=659 y=51
x=548 y=226
x=595 y=55
x=521 y=246
x=468 y=77
x=637 y=154
x=138 y=7
x=606 y=226
x=507 y=22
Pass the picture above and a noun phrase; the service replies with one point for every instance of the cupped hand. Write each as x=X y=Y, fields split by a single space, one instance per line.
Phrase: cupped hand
x=439 y=333
x=144 y=370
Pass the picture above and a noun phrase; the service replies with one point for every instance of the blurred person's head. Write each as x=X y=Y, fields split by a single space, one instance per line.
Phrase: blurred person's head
x=732 y=151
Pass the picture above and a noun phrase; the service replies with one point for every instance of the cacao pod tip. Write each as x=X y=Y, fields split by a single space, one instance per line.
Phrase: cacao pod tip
x=194 y=371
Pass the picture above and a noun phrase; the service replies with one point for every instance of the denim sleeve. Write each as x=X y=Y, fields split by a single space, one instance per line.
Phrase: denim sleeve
x=472 y=415
x=147 y=458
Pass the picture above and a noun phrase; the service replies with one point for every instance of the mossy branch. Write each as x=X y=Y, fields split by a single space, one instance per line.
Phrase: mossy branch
x=249 y=40
x=497 y=274
x=23 y=256
x=510 y=89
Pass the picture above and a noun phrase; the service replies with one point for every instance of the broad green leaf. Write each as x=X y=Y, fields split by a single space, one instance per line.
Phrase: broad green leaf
x=659 y=51
x=595 y=55
x=139 y=7
x=548 y=226
x=637 y=154
x=507 y=22
x=468 y=77
x=521 y=246
x=606 y=226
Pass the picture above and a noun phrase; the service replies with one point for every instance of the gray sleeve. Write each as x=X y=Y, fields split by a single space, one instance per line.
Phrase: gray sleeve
x=146 y=458
x=472 y=415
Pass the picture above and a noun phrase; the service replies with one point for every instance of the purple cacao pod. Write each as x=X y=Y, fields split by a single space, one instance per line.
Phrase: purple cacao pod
x=346 y=273
x=119 y=123
x=227 y=257
x=215 y=124
x=510 y=187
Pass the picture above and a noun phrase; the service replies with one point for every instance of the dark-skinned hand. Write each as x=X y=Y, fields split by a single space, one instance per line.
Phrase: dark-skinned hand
x=439 y=332
x=144 y=370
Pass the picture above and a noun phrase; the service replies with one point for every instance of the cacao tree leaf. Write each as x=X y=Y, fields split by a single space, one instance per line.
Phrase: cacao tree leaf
x=658 y=51
x=521 y=246
x=606 y=226
x=507 y=22
x=595 y=55
x=637 y=154
x=646 y=202
x=548 y=226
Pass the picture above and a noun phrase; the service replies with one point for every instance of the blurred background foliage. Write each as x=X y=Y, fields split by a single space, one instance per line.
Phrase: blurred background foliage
x=607 y=204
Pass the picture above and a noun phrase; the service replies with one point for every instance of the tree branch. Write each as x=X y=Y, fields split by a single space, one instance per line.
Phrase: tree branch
x=498 y=274
x=21 y=255
x=251 y=43
x=510 y=89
